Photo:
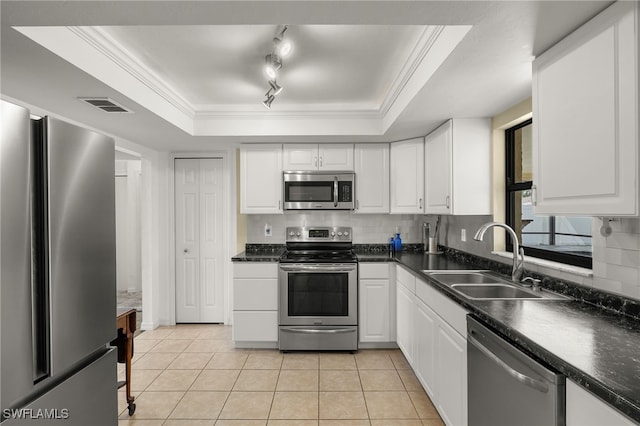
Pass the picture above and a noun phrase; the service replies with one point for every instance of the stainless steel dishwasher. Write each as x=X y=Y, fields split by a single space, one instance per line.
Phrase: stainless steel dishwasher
x=507 y=387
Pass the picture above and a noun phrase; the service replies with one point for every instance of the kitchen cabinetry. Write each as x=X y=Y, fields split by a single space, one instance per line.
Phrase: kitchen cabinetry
x=372 y=178
x=318 y=157
x=407 y=176
x=585 y=118
x=261 y=179
x=457 y=159
x=255 y=304
x=377 y=313
x=431 y=332
x=586 y=409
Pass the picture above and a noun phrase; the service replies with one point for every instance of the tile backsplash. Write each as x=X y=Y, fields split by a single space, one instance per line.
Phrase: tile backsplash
x=616 y=258
x=367 y=228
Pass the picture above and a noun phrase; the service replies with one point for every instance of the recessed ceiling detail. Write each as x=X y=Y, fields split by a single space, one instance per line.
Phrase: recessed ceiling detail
x=340 y=80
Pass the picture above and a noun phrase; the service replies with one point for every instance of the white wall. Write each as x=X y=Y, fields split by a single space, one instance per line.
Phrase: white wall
x=128 y=236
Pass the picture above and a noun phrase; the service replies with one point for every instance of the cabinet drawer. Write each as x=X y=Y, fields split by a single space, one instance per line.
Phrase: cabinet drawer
x=255 y=326
x=255 y=270
x=374 y=270
x=255 y=294
x=406 y=279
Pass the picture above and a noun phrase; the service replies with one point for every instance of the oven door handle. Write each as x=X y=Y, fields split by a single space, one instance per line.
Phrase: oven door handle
x=318 y=331
x=335 y=191
x=319 y=268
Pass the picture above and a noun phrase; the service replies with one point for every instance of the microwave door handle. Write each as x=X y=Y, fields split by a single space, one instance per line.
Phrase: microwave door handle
x=335 y=191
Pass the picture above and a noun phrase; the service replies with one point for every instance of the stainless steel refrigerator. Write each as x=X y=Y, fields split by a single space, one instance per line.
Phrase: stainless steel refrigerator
x=58 y=272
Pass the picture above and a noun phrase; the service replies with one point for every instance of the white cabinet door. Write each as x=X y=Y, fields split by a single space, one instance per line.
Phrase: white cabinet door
x=407 y=176
x=318 y=157
x=405 y=305
x=335 y=157
x=457 y=158
x=300 y=156
x=451 y=375
x=372 y=178
x=437 y=170
x=586 y=409
x=585 y=118
x=375 y=308
x=255 y=326
x=426 y=328
x=261 y=179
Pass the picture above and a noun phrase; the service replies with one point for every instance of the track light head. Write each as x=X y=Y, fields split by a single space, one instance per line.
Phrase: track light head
x=267 y=102
x=275 y=87
x=272 y=64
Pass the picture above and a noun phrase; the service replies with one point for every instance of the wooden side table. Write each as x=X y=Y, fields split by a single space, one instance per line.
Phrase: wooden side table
x=126 y=325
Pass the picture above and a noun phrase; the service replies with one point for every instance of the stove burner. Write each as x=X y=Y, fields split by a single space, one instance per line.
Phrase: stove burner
x=318 y=256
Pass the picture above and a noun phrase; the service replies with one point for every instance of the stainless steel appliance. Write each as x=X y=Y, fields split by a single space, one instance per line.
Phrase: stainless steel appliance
x=507 y=387
x=58 y=272
x=319 y=190
x=318 y=308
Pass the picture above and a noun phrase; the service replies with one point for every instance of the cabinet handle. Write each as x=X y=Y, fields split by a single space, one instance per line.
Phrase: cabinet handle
x=447 y=201
x=321 y=161
x=420 y=204
x=315 y=161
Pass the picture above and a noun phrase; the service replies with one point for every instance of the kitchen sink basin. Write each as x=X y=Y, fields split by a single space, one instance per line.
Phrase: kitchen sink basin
x=463 y=278
x=485 y=285
x=493 y=291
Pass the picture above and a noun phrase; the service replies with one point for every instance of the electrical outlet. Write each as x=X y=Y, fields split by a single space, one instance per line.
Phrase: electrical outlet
x=267 y=230
x=463 y=235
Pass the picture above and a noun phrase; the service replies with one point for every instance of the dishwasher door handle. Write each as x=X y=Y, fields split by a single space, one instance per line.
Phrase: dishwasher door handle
x=536 y=384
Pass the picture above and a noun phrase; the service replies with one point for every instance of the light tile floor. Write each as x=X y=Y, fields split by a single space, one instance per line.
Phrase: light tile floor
x=191 y=375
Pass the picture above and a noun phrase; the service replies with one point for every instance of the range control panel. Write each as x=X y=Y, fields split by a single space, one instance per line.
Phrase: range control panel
x=318 y=234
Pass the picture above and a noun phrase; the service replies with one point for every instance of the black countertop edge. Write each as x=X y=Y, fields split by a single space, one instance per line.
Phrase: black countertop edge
x=260 y=253
x=618 y=398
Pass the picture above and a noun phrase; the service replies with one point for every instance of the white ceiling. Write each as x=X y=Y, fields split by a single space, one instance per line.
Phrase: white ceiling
x=360 y=70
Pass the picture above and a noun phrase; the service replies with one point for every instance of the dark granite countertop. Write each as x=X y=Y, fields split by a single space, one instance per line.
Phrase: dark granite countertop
x=595 y=347
x=260 y=253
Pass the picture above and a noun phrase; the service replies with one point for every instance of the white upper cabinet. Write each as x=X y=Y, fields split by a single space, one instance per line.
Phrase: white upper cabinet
x=407 y=176
x=261 y=179
x=318 y=157
x=585 y=118
x=372 y=178
x=457 y=159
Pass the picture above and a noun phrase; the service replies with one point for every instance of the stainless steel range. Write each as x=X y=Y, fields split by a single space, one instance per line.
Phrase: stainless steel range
x=318 y=281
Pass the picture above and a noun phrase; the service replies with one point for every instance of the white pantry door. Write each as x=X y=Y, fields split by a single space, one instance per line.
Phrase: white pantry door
x=199 y=251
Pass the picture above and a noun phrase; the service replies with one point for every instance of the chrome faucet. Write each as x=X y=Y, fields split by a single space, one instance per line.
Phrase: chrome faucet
x=518 y=252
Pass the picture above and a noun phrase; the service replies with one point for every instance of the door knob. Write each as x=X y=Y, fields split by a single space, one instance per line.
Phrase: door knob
x=186 y=250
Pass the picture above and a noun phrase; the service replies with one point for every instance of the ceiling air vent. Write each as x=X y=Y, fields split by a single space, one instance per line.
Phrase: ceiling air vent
x=106 y=105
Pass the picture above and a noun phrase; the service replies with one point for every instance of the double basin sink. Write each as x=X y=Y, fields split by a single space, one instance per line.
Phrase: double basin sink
x=484 y=285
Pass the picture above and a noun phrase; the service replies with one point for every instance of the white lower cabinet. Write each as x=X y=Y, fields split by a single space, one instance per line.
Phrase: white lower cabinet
x=451 y=375
x=586 y=409
x=376 y=322
x=255 y=303
x=431 y=332
x=426 y=325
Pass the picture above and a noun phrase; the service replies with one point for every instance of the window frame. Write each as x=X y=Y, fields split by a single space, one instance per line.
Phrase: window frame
x=511 y=187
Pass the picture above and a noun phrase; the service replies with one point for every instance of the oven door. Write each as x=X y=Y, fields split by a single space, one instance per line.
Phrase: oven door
x=318 y=294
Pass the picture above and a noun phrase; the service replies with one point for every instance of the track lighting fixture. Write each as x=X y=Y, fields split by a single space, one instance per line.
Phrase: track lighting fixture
x=273 y=63
x=275 y=87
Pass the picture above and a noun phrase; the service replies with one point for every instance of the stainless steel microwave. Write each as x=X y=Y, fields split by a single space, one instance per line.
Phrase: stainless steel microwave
x=319 y=190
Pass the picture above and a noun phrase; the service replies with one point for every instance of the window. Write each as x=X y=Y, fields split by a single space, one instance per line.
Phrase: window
x=559 y=238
